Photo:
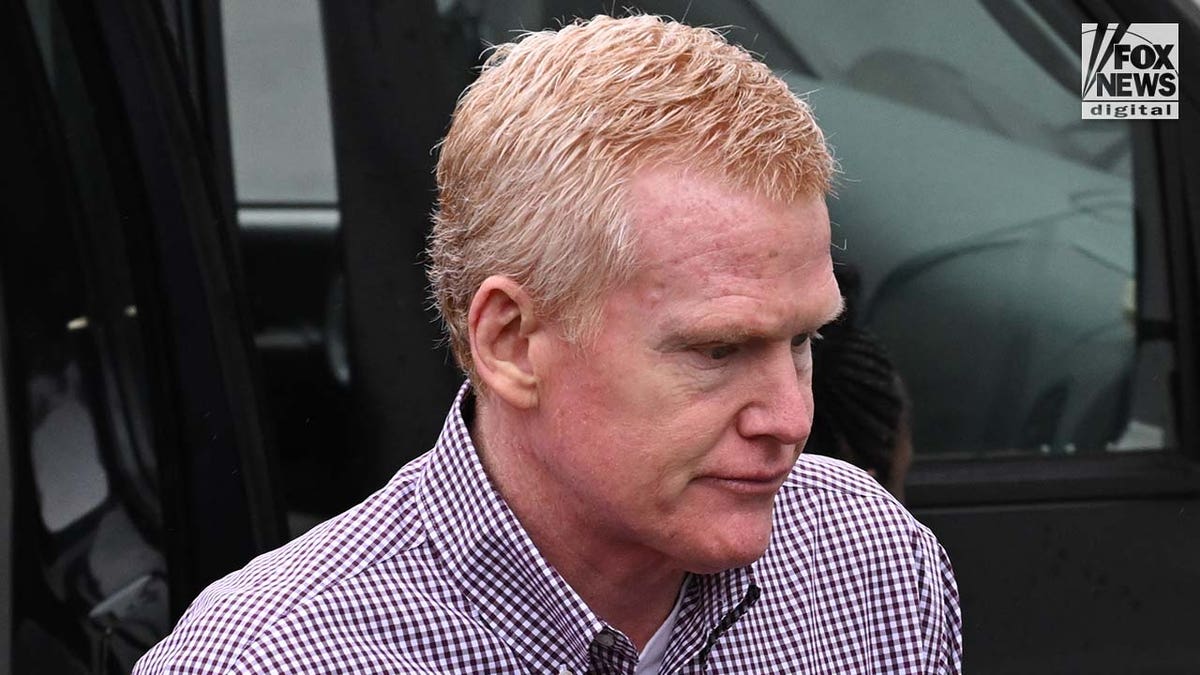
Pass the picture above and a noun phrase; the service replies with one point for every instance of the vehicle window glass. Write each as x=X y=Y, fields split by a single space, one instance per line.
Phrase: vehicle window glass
x=278 y=102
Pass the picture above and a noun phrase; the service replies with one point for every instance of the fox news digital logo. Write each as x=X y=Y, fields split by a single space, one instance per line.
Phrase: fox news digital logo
x=1130 y=71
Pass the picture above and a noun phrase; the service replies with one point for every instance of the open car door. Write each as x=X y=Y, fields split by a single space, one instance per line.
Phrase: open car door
x=138 y=464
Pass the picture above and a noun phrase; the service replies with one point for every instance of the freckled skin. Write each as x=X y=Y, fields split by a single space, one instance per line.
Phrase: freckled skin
x=666 y=439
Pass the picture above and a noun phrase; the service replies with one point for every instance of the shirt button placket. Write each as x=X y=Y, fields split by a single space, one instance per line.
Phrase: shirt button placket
x=605 y=639
x=610 y=655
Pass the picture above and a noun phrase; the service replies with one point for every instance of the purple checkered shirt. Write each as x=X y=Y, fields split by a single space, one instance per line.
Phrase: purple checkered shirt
x=433 y=574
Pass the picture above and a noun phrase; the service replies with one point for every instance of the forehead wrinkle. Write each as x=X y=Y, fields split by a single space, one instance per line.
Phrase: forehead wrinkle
x=730 y=303
x=723 y=264
x=726 y=255
x=770 y=321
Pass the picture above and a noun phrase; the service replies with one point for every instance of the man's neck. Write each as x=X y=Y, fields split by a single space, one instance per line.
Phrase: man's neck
x=633 y=598
x=631 y=588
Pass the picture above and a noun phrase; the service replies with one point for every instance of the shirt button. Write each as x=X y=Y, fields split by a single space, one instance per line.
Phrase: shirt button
x=605 y=639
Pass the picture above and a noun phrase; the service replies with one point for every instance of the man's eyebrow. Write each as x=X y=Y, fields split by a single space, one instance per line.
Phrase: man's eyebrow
x=731 y=334
x=700 y=335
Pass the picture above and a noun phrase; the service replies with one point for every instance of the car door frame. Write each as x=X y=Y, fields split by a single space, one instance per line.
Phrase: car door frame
x=216 y=469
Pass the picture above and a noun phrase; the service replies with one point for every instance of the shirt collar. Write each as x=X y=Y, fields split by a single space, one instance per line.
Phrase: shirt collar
x=525 y=602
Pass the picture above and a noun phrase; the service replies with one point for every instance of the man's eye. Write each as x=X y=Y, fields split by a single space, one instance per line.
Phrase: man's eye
x=718 y=352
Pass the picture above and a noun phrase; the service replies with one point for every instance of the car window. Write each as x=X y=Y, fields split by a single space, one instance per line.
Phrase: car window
x=278 y=102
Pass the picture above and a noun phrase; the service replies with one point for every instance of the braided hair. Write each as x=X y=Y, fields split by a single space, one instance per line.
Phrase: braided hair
x=859 y=400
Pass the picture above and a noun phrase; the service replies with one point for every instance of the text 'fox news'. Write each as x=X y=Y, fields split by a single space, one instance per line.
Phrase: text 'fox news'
x=1130 y=71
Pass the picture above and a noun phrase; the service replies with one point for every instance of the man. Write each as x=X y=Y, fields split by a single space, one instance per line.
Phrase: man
x=631 y=254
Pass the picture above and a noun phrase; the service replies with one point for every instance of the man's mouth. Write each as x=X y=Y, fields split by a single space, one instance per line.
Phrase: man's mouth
x=751 y=484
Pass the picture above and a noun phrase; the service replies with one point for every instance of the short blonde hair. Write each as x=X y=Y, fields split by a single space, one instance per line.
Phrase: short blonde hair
x=532 y=174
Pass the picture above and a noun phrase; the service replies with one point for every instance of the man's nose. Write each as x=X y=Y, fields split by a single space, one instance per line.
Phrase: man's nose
x=781 y=402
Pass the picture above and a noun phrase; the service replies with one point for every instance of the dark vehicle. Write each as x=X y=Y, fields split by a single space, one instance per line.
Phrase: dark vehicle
x=214 y=329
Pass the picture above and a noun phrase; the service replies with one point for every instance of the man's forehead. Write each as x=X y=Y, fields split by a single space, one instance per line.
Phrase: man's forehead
x=680 y=215
x=723 y=265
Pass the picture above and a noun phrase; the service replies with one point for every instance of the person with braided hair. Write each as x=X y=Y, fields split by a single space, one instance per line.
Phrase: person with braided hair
x=861 y=407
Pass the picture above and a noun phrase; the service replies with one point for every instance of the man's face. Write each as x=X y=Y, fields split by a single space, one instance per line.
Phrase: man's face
x=673 y=430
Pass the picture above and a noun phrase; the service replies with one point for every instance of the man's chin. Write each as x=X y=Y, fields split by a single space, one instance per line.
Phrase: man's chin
x=736 y=549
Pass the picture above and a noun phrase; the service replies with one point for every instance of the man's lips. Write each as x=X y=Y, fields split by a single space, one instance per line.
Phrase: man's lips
x=749 y=483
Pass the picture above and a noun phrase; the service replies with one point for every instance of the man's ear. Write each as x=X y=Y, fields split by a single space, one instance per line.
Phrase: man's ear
x=500 y=321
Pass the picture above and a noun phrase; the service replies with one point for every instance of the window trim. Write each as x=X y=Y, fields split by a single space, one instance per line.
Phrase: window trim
x=1149 y=474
